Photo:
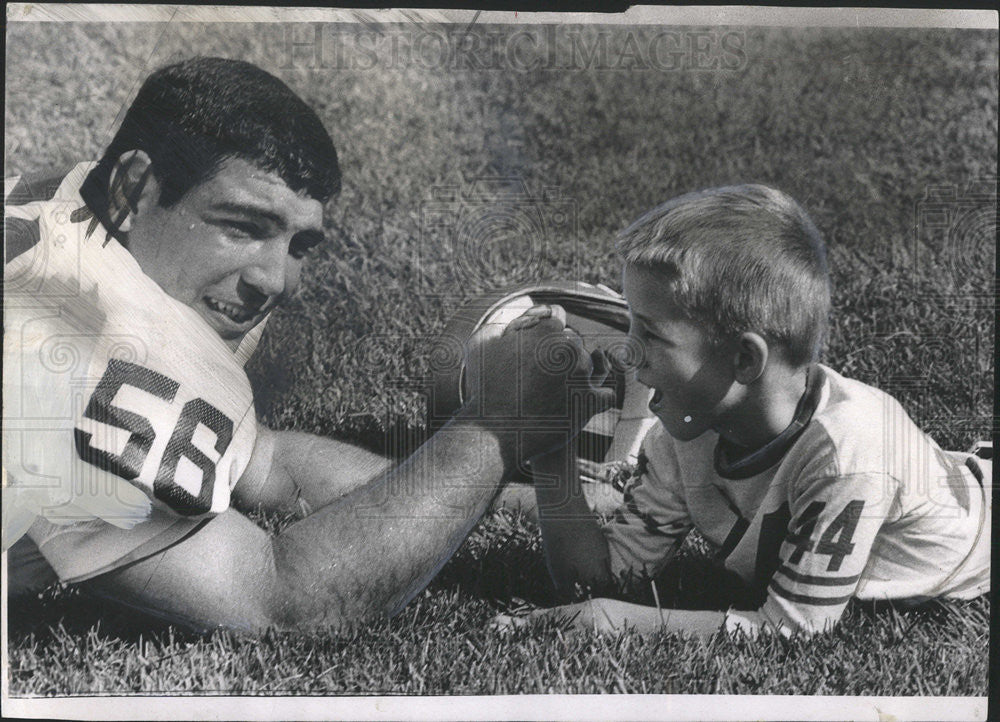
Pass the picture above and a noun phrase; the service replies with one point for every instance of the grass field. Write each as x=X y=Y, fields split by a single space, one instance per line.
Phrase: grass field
x=884 y=135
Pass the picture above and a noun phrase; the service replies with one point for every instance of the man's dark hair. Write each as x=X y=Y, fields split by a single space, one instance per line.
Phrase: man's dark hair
x=190 y=116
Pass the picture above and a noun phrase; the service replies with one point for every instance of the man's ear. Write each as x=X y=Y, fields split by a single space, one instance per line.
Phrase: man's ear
x=750 y=358
x=132 y=188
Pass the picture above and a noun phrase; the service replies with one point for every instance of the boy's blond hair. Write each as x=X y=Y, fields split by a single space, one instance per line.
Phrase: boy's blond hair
x=739 y=258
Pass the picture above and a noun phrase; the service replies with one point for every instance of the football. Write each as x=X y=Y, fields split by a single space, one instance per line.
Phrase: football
x=609 y=443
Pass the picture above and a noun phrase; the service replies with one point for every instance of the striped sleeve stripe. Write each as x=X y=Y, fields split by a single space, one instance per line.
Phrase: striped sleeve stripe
x=807 y=599
x=818 y=581
x=970 y=461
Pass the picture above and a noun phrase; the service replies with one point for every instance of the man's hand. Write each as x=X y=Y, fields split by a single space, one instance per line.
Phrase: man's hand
x=535 y=378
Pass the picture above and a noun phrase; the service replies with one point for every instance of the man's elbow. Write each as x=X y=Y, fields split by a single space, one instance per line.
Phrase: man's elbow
x=302 y=596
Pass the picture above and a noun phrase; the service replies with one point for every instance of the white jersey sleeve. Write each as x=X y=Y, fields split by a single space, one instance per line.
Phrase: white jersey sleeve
x=118 y=399
x=835 y=520
x=650 y=525
x=910 y=523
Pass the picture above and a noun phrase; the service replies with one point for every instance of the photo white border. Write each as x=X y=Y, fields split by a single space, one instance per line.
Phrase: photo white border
x=548 y=707
x=571 y=708
x=635 y=15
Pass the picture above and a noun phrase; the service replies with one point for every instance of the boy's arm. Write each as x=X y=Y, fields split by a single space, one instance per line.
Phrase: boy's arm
x=834 y=520
x=576 y=550
x=642 y=535
x=613 y=615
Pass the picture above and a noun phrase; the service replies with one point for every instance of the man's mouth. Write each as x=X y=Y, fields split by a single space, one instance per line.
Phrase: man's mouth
x=238 y=314
x=655 y=399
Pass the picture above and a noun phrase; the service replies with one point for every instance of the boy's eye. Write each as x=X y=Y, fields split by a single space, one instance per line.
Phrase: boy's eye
x=639 y=330
x=645 y=334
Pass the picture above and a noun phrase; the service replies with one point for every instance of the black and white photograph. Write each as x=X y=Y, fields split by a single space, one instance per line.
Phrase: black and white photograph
x=459 y=364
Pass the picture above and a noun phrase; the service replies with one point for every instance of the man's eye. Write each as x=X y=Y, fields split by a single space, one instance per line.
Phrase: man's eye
x=244 y=229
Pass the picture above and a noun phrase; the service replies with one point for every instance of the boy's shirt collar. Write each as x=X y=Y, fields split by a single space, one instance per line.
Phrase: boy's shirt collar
x=732 y=461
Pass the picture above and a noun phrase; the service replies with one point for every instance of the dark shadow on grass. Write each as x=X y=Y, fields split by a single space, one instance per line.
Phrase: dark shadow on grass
x=68 y=610
x=502 y=561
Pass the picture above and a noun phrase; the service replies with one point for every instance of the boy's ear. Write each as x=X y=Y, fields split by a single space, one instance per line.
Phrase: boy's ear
x=131 y=188
x=751 y=357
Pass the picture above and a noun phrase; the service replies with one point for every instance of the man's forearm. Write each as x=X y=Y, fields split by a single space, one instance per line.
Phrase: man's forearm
x=376 y=547
x=372 y=549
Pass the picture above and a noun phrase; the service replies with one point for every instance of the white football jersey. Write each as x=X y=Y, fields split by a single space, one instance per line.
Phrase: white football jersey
x=118 y=399
x=852 y=501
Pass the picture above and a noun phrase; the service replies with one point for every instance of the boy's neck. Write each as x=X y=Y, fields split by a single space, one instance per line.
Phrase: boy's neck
x=768 y=408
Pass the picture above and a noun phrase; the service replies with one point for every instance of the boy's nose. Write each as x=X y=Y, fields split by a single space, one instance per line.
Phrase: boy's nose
x=628 y=355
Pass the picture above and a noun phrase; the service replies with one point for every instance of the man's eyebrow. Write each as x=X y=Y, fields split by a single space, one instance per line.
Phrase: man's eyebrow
x=248 y=209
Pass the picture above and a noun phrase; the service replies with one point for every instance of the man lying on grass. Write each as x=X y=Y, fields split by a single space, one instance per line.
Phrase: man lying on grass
x=814 y=488
x=133 y=297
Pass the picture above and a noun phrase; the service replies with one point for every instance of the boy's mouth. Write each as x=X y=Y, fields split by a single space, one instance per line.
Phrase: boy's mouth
x=654 y=401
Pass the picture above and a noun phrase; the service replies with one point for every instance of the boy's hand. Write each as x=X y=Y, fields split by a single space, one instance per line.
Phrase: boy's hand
x=536 y=378
x=612 y=615
x=597 y=615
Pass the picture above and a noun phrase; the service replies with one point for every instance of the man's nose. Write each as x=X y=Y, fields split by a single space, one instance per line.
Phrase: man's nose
x=268 y=273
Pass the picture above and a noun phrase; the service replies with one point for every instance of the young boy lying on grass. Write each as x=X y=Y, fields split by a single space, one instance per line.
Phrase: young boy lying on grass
x=814 y=488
